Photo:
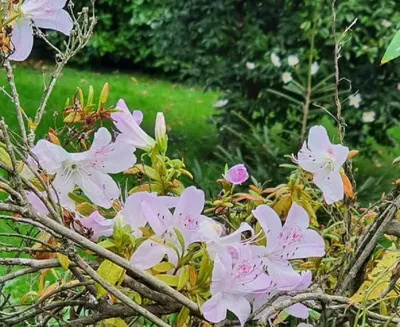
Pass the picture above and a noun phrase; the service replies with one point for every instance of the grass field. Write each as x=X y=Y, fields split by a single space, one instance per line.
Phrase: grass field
x=187 y=109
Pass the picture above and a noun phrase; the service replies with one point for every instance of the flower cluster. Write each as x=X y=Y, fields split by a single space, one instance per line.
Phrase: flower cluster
x=249 y=264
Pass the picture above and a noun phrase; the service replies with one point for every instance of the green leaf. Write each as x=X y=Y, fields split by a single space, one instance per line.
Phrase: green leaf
x=63 y=260
x=180 y=239
x=111 y=273
x=183 y=278
x=168 y=279
x=393 y=50
x=205 y=269
x=183 y=316
x=90 y=96
x=5 y=157
x=112 y=322
x=104 y=95
x=163 y=267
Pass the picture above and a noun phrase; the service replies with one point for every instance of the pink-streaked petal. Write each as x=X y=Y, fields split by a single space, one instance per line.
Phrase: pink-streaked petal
x=50 y=156
x=311 y=245
x=190 y=204
x=22 y=40
x=60 y=21
x=269 y=222
x=148 y=254
x=333 y=188
x=318 y=140
x=214 y=310
x=109 y=157
x=100 y=188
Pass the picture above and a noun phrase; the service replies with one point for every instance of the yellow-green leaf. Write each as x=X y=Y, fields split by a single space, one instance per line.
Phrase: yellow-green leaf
x=5 y=157
x=104 y=95
x=393 y=50
x=168 y=279
x=183 y=278
x=183 y=317
x=163 y=267
x=111 y=273
x=63 y=260
x=90 y=96
x=112 y=322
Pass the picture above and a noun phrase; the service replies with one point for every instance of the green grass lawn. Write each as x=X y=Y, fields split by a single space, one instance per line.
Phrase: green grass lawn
x=187 y=109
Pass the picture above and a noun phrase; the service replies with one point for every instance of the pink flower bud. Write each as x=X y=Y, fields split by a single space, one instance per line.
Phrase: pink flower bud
x=237 y=174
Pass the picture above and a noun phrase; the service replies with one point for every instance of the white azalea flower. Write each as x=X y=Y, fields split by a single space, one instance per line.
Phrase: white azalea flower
x=88 y=170
x=385 y=23
x=314 y=68
x=44 y=14
x=355 y=100
x=293 y=60
x=250 y=65
x=323 y=160
x=287 y=77
x=368 y=116
x=276 y=61
x=221 y=103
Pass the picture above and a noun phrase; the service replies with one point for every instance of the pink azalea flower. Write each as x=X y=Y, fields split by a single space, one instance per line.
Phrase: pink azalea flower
x=98 y=225
x=292 y=241
x=324 y=160
x=129 y=125
x=237 y=174
x=89 y=170
x=233 y=284
x=187 y=218
x=132 y=212
x=46 y=14
x=297 y=310
x=223 y=246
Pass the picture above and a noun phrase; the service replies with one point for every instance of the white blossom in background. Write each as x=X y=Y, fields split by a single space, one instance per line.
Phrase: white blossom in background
x=398 y=87
x=287 y=77
x=220 y=103
x=46 y=14
x=368 y=116
x=293 y=60
x=276 y=61
x=314 y=68
x=385 y=23
x=355 y=100
x=250 y=65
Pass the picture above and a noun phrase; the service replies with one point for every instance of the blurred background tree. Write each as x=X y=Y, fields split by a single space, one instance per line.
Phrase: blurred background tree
x=226 y=46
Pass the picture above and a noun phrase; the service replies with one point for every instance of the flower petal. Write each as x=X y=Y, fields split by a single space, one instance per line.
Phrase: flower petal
x=109 y=157
x=318 y=140
x=269 y=222
x=239 y=306
x=22 y=40
x=157 y=215
x=214 y=309
x=298 y=310
x=50 y=156
x=148 y=254
x=58 y=20
x=100 y=188
x=332 y=188
x=341 y=153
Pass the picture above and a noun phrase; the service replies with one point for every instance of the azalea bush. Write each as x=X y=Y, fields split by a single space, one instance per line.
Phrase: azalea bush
x=108 y=232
